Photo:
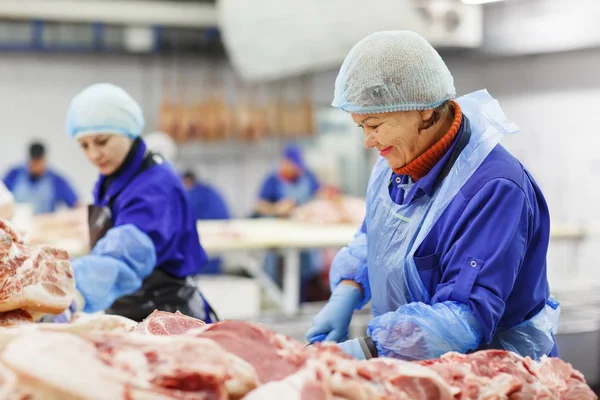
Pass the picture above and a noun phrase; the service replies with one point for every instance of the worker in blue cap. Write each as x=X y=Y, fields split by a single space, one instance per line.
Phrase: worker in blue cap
x=452 y=252
x=142 y=231
x=292 y=185
x=38 y=185
x=207 y=204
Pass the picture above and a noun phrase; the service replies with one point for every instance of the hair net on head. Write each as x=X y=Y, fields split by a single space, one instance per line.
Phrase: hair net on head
x=163 y=144
x=392 y=71
x=104 y=108
x=293 y=153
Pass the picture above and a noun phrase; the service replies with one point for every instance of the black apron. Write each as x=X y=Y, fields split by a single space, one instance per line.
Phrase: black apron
x=160 y=290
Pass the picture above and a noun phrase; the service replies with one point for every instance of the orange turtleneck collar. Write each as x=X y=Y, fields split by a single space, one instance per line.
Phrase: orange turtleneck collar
x=420 y=166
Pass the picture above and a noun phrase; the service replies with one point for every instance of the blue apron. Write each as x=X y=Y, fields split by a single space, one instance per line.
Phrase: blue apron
x=393 y=276
x=301 y=190
x=39 y=194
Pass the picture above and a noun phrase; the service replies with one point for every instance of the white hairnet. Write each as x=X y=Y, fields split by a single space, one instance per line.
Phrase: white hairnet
x=104 y=108
x=163 y=144
x=392 y=71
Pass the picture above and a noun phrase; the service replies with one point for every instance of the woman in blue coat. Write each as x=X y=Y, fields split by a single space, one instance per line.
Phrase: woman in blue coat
x=142 y=231
x=452 y=252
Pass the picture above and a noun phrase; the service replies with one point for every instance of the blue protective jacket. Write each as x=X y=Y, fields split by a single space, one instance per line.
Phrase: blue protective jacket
x=153 y=228
x=208 y=204
x=274 y=188
x=45 y=192
x=484 y=257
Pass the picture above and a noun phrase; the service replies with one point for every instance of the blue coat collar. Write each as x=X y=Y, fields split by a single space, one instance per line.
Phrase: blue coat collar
x=122 y=179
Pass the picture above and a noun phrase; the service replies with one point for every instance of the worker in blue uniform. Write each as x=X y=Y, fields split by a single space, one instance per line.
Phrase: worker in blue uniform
x=36 y=184
x=207 y=204
x=452 y=252
x=143 y=235
x=289 y=186
x=284 y=189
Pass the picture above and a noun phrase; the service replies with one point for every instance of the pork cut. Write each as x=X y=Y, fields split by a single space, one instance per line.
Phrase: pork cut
x=117 y=366
x=273 y=356
x=36 y=279
x=15 y=318
x=166 y=323
x=499 y=374
x=309 y=383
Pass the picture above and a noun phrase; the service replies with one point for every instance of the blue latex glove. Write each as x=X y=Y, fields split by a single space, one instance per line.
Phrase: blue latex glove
x=334 y=319
x=65 y=317
x=352 y=347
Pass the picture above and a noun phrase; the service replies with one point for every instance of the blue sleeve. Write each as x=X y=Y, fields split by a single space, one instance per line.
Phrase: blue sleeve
x=350 y=263
x=116 y=266
x=11 y=177
x=158 y=213
x=269 y=190
x=65 y=192
x=479 y=272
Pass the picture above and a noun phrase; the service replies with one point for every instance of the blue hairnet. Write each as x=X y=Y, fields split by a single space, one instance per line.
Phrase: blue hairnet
x=392 y=71
x=104 y=108
x=293 y=153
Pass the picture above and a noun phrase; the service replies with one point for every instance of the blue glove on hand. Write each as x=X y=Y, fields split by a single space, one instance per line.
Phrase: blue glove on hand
x=353 y=348
x=65 y=317
x=334 y=319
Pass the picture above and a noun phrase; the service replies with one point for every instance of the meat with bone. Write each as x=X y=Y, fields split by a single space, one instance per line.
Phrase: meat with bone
x=309 y=383
x=229 y=360
x=8 y=385
x=36 y=279
x=165 y=323
x=273 y=356
x=562 y=379
x=474 y=376
x=15 y=318
x=498 y=374
x=81 y=326
x=132 y=366
x=379 y=378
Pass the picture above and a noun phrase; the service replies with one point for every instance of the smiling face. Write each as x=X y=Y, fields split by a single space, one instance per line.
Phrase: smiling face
x=107 y=152
x=397 y=135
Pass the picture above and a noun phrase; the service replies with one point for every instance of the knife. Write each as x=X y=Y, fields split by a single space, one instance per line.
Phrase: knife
x=318 y=338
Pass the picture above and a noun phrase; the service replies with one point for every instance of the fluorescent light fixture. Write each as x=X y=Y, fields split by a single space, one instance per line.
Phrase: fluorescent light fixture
x=480 y=1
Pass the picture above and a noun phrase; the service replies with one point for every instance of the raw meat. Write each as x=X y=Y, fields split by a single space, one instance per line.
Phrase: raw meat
x=117 y=366
x=81 y=326
x=378 y=378
x=8 y=384
x=15 y=318
x=562 y=379
x=165 y=323
x=498 y=374
x=36 y=279
x=309 y=383
x=273 y=356
x=171 y=356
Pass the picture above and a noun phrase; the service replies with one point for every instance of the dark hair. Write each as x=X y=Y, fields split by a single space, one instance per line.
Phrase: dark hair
x=37 y=151
x=438 y=113
x=189 y=175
